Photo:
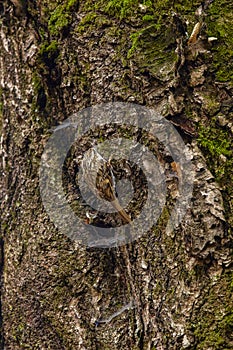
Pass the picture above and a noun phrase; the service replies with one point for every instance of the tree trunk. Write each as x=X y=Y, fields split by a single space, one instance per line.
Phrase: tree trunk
x=167 y=289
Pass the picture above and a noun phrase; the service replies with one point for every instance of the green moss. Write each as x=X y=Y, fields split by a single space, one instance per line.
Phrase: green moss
x=153 y=49
x=217 y=145
x=216 y=142
x=71 y=4
x=148 y=18
x=186 y=6
x=89 y=18
x=213 y=325
x=58 y=20
x=39 y=99
x=214 y=332
x=219 y=24
x=140 y=36
x=49 y=49
x=130 y=10
x=49 y=52
x=46 y=60
x=91 y=21
x=115 y=8
x=61 y=17
x=120 y=8
x=36 y=82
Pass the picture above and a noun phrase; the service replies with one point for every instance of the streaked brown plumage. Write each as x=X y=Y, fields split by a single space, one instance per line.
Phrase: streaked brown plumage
x=98 y=175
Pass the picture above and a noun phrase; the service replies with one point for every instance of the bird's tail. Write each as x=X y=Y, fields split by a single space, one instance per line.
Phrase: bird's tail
x=115 y=203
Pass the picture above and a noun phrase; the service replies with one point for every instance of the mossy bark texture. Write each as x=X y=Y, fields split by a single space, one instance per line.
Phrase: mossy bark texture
x=165 y=290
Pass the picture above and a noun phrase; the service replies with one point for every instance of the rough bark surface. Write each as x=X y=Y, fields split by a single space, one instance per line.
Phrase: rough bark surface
x=165 y=290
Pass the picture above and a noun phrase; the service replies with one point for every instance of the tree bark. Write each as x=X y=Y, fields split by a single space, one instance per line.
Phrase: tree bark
x=165 y=290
